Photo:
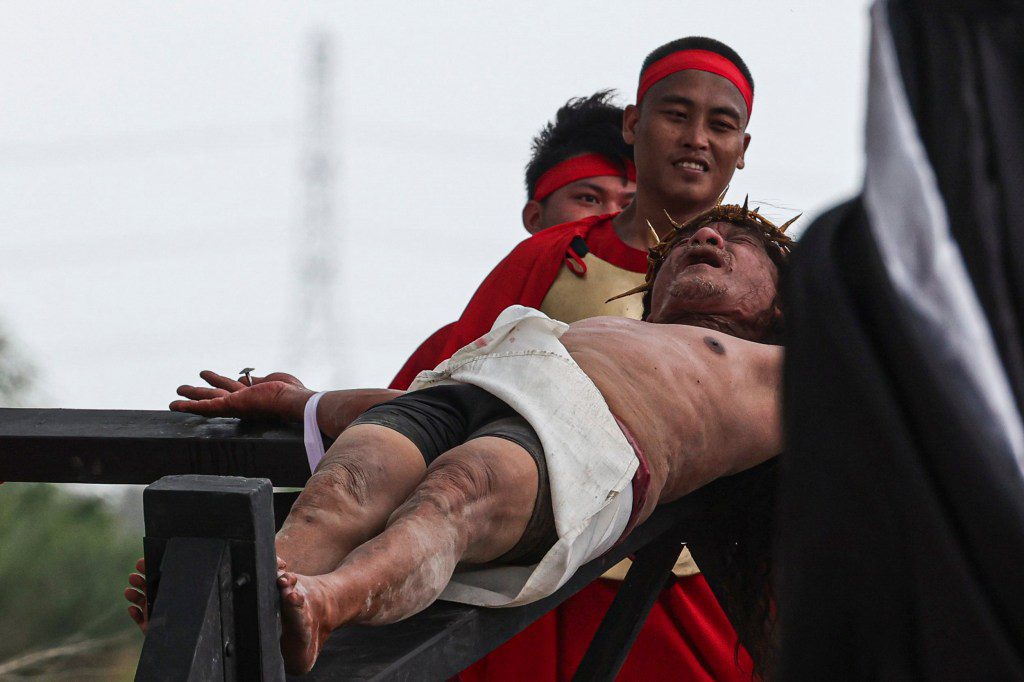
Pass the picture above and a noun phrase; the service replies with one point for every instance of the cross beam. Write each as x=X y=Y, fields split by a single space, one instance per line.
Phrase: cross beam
x=140 y=447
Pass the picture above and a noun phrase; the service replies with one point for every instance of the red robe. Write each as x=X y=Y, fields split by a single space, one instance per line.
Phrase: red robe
x=523 y=278
x=686 y=636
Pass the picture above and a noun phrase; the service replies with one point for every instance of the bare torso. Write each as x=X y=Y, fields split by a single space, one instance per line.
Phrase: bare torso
x=701 y=404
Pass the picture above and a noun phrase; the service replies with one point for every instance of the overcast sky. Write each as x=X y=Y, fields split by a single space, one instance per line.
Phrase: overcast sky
x=150 y=187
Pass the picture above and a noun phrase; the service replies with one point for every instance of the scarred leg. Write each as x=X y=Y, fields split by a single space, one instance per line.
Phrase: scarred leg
x=472 y=507
x=365 y=475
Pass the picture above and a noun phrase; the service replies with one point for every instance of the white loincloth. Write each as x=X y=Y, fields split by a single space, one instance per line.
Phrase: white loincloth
x=590 y=463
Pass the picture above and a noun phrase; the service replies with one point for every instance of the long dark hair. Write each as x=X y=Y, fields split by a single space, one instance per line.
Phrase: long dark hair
x=736 y=558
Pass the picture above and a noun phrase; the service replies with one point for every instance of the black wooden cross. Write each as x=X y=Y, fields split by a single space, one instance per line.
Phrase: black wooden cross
x=107 y=446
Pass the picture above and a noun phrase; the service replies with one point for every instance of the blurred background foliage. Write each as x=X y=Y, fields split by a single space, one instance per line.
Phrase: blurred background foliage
x=65 y=554
x=63 y=567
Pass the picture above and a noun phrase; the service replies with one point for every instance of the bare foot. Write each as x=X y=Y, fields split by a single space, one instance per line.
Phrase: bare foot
x=303 y=626
x=136 y=594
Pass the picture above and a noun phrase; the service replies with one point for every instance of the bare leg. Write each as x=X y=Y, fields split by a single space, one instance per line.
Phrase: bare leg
x=472 y=506
x=366 y=474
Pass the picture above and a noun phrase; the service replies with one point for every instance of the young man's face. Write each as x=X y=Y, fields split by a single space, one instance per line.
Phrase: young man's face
x=688 y=138
x=578 y=200
x=721 y=271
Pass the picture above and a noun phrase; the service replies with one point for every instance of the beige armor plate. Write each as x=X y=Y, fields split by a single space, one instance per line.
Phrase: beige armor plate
x=572 y=297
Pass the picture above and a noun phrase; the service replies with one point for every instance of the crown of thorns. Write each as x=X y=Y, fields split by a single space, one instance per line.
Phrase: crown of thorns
x=774 y=236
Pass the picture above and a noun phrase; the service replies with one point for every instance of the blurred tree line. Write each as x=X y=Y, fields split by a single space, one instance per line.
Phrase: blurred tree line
x=64 y=561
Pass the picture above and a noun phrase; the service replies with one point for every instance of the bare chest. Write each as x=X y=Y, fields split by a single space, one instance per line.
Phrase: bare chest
x=672 y=386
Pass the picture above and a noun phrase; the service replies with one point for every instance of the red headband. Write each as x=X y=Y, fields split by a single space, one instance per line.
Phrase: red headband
x=699 y=60
x=577 y=168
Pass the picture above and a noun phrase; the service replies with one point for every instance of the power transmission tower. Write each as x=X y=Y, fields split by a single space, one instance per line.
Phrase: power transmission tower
x=314 y=340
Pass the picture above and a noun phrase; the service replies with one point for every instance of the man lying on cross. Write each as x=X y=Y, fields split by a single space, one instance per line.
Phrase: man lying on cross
x=533 y=449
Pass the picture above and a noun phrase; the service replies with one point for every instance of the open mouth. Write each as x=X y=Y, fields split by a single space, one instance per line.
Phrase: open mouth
x=704 y=255
x=696 y=165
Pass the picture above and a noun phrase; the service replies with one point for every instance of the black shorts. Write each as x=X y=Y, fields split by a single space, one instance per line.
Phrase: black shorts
x=439 y=418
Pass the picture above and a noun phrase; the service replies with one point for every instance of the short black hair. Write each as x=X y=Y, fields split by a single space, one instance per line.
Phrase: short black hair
x=584 y=125
x=699 y=43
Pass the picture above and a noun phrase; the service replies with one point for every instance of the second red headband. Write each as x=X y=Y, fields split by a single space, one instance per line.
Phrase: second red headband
x=577 y=168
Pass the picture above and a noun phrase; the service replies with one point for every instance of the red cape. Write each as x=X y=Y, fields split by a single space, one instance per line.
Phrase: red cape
x=687 y=636
x=427 y=356
x=523 y=278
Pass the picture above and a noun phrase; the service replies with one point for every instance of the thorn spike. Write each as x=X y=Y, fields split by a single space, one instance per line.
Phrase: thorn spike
x=654 y=233
x=674 y=223
x=636 y=290
x=783 y=226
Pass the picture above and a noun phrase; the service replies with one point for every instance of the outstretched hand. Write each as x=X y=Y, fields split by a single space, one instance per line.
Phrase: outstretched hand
x=277 y=396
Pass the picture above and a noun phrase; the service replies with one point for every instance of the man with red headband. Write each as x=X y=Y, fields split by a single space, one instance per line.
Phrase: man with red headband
x=688 y=131
x=579 y=167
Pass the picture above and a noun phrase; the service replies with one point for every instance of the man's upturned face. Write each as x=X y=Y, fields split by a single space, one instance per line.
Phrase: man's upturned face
x=721 y=273
x=688 y=137
x=578 y=200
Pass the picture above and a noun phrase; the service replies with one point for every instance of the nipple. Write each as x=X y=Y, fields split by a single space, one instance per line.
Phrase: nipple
x=715 y=345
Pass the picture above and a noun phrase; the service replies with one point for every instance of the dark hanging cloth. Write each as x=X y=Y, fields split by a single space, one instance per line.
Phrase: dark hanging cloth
x=962 y=66
x=900 y=528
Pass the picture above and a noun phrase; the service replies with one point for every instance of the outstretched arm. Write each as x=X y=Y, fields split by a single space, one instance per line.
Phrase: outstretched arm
x=277 y=396
x=338 y=409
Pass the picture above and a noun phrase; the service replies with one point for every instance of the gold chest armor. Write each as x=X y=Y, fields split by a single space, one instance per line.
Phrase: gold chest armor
x=573 y=297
